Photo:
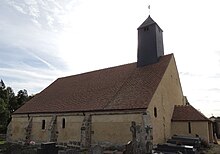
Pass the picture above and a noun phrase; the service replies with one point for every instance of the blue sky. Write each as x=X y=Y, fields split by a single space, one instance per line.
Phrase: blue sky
x=42 y=40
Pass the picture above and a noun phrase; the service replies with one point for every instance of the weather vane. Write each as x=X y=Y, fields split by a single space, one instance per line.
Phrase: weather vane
x=149 y=8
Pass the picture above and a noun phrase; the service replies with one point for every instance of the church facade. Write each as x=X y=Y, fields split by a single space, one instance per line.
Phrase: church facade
x=100 y=106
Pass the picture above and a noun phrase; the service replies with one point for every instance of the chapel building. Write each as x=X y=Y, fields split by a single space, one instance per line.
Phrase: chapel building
x=100 y=106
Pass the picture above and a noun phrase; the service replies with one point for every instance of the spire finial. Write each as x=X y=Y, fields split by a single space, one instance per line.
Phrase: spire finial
x=149 y=8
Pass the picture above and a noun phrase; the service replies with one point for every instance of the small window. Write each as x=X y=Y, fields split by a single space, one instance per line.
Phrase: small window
x=146 y=28
x=43 y=124
x=155 y=112
x=63 y=123
x=189 y=127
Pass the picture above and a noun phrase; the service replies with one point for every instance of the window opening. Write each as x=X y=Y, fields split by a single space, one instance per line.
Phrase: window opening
x=63 y=123
x=155 y=112
x=189 y=127
x=43 y=124
x=146 y=28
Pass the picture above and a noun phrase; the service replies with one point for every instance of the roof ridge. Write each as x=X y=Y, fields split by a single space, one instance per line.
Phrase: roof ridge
x=98 y=70
x=106 y=68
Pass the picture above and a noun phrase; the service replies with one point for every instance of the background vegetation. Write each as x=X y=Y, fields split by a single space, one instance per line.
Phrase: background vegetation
x=9 y=102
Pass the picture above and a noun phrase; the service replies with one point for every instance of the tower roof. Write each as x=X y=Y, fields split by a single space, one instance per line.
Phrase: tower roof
x=149 y=21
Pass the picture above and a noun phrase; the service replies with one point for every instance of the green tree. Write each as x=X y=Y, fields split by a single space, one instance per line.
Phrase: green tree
x=2 y=84
x=4 y=116
x=3 y=92
x=22 y=97
x=9 y=103
x=12 y=100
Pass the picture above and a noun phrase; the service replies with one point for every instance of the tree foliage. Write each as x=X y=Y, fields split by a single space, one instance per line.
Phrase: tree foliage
x=9 y=102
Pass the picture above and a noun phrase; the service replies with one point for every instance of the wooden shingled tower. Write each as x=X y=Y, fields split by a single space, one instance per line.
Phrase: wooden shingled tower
x=150 y=43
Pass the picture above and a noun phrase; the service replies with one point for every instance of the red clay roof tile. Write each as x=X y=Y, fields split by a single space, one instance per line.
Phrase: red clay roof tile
x=187 y=113
x=118 y=88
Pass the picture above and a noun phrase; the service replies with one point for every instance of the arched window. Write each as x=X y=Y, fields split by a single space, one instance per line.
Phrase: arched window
x=155 y=112
x=63 y=123
x=43 y=124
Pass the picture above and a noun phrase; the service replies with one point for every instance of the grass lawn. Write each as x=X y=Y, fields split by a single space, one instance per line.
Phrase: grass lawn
x=2 y=142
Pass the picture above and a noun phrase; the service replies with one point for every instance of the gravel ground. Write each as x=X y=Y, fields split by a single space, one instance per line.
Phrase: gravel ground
x=215 y=149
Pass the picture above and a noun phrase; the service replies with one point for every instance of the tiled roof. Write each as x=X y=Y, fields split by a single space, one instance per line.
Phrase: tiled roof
x=118 y=88
x=187 y=113
x=149 y=21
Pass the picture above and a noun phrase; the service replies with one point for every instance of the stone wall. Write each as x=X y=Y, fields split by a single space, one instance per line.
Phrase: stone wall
x=17 y=128
x=168 y=94
x=71 y=132
x=39 y=134
x=105 y=127
x=199 y=128
x=113 y=128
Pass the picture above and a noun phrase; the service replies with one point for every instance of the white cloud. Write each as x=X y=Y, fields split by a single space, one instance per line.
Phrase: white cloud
x=18 y=8
x=33 y=80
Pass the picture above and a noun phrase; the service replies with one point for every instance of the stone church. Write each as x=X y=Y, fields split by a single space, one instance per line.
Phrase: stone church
x=100 y=106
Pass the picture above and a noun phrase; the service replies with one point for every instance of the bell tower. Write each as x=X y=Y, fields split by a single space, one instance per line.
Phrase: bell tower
x=150 y=43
